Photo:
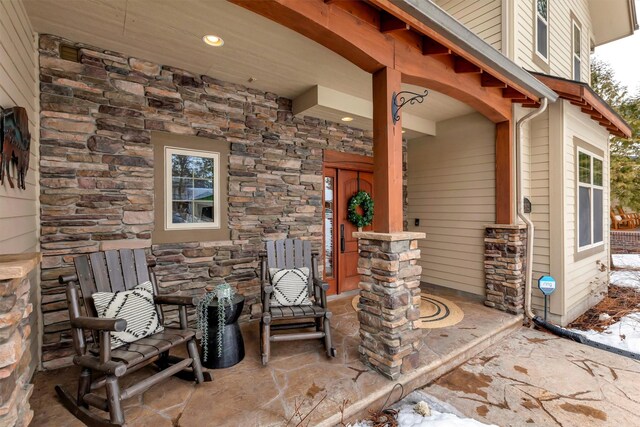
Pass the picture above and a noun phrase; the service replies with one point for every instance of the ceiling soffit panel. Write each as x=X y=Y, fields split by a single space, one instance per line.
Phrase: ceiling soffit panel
x=275 y=56
x=329 y=104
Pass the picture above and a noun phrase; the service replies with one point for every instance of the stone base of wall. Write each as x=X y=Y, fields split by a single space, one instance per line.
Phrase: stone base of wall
x=504 y=266
x=625 y=242
x=389 y=301
x=16 y=366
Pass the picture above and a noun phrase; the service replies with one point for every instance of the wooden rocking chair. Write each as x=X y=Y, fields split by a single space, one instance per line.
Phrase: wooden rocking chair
x=619 y=223
x=632 y=217
x=294 y=254
x=113 y=271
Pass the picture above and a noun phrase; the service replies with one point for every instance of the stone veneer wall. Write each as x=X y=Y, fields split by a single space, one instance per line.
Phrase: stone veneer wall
x=97 y=171
x=16 y=339
x=504 y=266
x=625 y=242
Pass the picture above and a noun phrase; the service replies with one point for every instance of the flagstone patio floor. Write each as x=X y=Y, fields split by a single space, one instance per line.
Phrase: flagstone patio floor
x=299 y=381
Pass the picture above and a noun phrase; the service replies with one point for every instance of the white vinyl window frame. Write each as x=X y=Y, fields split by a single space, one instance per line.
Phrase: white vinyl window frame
x=591 y=186
x=168 y=187
x=576 y=50
x=545 y=21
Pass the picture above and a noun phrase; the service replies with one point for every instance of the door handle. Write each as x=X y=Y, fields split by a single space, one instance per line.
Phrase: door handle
x=342 y=242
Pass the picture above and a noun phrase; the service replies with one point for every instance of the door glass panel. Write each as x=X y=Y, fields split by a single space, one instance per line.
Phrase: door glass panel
x=329 y=203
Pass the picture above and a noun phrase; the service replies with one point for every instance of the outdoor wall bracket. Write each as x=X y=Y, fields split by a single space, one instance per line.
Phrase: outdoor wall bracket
x=400 y=99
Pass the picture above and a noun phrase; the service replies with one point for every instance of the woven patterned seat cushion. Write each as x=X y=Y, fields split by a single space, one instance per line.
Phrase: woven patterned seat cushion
x=136 y=307
x=290 y=286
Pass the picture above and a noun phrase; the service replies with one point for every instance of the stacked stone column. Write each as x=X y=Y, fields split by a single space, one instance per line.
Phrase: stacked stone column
x=504 y=266
x=16 y=339
x=389 y=301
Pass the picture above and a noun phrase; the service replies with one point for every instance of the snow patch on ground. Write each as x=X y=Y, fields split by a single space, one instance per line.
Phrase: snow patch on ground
x=408 y=418
x=442 y=414
x=624 y=334
x=625 y=278
x=626 y=261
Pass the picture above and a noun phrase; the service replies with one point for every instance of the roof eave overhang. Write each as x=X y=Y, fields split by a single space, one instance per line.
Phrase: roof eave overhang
x=622 y=29
x=433 y=17
x=583 y=96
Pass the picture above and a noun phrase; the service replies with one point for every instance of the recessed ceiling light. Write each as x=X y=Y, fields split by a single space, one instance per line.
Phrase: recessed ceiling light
x=403 y=131
x=347 y=119
x=212 y=40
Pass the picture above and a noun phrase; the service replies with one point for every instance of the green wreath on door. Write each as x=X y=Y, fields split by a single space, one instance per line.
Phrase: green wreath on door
x=363 y=200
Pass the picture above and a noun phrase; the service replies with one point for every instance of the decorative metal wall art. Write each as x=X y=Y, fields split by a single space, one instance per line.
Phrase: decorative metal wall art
x=14 y=145
x=400 y=99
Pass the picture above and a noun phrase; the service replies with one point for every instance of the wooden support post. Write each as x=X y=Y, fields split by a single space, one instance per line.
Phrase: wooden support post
x=387 y=153
x=505 y=194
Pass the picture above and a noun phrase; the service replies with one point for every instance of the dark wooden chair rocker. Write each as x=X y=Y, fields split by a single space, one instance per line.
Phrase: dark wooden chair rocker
x=113 y=271
x=293 y=254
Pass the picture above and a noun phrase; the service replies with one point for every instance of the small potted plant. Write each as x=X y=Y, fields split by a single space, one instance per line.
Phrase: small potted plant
x=223 y=300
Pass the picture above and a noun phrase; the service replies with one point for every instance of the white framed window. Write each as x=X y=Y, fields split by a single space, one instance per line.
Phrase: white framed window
x=576 y=51
x=192 y=189
x=589 y=176
x=542 y=29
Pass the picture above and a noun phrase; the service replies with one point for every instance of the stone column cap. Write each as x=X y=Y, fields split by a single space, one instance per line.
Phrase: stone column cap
x=17 y=266
x=506 y=226
x=389 y=237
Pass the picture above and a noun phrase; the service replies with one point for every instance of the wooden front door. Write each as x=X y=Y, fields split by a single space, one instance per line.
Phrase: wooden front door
x=341 y=248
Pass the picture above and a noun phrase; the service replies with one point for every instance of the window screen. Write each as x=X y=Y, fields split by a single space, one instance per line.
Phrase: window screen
x=584 y=213
x=590 y=202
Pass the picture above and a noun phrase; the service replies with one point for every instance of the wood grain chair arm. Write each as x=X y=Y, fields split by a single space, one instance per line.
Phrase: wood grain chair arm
x=321 y=284
x=175 y=300
x=321 y=288
x=267 y=290
x=99 y=323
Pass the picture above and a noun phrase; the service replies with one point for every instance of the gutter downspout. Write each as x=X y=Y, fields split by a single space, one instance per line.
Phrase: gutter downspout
x=520 y=206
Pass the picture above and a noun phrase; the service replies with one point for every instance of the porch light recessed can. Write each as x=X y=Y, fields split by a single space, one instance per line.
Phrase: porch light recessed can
x=212 y=40
x=347 y=119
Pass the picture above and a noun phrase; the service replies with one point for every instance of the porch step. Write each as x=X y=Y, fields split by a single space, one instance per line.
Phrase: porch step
x=426 y=374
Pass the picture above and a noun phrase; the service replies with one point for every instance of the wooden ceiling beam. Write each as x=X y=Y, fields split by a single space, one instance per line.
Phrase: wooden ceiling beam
x=391 y=24
x=591 y=112
x=347 y=28
x=487 y=80
x=512 y=94
x=530 y=104
x=462 y=66
x=580 y=104
x=426 y=30
x=432 y=47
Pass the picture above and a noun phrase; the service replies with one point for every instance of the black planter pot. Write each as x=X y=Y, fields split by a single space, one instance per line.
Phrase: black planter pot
x=232 y=342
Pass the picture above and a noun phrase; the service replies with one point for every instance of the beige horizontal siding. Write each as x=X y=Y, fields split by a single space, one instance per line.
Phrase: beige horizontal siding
x=484 y=18
x=451 y=189
x=560 y=35
x=18 y=87
x=583 y=277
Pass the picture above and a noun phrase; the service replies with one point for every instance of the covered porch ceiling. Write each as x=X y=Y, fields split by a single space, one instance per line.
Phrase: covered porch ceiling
x=258 y=53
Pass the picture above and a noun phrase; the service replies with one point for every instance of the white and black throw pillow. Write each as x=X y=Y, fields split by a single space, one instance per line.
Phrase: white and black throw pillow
x=136 y=307
x=289 y=286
